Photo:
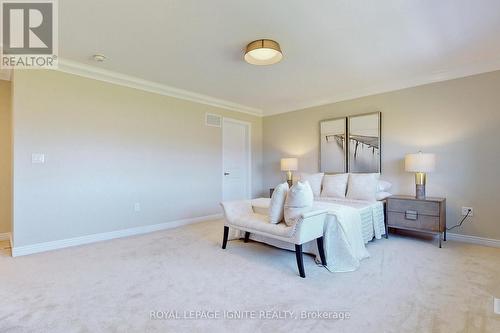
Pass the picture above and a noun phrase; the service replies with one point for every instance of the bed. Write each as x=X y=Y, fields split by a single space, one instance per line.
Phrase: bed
x=372 y=216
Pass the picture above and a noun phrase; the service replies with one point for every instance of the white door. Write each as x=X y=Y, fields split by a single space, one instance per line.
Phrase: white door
x=236 y=160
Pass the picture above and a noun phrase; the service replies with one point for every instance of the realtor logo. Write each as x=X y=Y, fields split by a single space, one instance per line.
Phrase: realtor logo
x=29 y=34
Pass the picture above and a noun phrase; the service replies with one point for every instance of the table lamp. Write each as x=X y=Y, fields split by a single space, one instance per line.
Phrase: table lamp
x=289 y=164
x=420 y=163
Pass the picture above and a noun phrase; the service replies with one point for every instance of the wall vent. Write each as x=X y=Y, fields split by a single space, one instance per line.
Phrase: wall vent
x=213 y=120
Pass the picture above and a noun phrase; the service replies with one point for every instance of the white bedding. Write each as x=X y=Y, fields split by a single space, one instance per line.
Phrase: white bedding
x=372 y=216
x=350 y=224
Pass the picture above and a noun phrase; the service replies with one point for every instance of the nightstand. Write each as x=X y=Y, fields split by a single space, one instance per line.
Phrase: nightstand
x=423 y=215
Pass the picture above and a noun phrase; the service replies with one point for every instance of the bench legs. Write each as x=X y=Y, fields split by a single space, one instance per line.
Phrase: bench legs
x=321 y=250
x=298 y=250
x=226 y=233
x=300 y=260
x=224 y=240
x=385 y=220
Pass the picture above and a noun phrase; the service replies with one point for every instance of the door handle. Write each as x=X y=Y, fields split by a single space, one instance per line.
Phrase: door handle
x=226 y=173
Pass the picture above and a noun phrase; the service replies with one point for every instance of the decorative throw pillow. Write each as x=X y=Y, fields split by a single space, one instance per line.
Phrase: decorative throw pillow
x=277 y=203
x=384 y=186
x=382 y=195
x=314 y=180
x=362 y=186
x=334 y=185
x=299 y=200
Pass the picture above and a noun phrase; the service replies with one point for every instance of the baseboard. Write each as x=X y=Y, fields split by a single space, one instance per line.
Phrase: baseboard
x=63 y=243
x=473 y=240
x=4 y=236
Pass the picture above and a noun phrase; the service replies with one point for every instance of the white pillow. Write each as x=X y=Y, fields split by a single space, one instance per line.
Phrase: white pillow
x=382 y=195
x=315 y=180
x=335 y=185
x=277 y=203
x=362 y=186
x=384 y=186
x=298 y=200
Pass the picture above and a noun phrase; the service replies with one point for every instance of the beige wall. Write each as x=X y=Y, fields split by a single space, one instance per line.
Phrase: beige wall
x=108 y=147
x=459 y=120
x=5 y=157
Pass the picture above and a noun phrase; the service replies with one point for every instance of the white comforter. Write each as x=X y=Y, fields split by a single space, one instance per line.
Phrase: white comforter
x=343 y=237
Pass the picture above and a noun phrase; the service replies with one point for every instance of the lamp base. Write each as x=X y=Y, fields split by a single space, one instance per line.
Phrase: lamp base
x=420 y=191
x=289 y=178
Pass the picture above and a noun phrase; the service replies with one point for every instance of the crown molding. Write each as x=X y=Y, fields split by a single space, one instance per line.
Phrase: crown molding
x=92 y=72
x=473 y=68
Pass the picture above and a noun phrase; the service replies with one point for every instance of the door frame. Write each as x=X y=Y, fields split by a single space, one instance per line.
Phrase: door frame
x=249 y=153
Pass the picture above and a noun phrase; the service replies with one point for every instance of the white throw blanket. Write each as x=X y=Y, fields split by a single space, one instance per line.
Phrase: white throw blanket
x=343 y=239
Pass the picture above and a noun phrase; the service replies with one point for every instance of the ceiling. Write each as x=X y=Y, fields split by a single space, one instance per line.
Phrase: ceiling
x=333 y=49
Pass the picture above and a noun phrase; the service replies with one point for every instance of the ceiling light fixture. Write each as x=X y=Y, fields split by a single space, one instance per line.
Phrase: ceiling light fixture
x=263 y=52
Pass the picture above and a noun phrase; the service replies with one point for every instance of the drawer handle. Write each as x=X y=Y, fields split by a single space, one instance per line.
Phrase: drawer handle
x=411 y=215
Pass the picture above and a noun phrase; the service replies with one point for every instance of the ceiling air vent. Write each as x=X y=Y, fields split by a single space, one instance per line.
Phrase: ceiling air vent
x=213 y=120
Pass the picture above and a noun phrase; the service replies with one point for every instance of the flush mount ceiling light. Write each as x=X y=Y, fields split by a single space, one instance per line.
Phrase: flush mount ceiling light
x=263 y=52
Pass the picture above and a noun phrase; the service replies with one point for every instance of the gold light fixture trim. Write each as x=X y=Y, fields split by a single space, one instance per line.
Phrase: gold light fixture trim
x=263 y=52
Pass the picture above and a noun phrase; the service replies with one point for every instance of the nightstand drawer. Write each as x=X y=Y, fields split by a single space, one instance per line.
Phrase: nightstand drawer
x=411 y=221
x=421 y=207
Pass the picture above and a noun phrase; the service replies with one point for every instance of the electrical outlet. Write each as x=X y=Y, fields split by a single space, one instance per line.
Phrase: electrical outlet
x=496 y=305
x=137 y=207
x=466 y=209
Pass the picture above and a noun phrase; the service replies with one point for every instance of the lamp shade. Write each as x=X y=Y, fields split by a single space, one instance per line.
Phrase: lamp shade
x=289 y=164
x=420 y=162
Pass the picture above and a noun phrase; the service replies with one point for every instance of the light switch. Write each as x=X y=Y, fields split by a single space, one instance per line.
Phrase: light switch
x=37 y=158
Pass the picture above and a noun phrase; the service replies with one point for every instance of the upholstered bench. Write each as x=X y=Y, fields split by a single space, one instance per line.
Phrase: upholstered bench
x=241 y=216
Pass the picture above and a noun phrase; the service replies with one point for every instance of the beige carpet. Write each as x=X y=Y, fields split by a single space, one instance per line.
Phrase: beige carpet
x=408 y=285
